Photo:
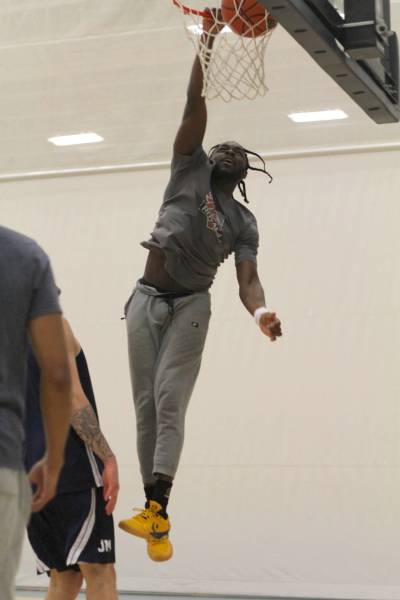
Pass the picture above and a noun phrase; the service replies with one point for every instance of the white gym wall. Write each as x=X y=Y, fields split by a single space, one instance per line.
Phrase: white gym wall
x=289 y=481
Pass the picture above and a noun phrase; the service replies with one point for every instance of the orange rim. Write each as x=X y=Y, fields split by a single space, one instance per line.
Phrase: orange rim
x=271 y=21
x=190 y=11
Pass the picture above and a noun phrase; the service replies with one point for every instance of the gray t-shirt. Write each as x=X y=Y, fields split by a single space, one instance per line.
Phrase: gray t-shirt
x=198 y=229
x=27 y=291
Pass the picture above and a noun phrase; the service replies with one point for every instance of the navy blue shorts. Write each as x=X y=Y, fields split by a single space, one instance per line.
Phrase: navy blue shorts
x=72 y=528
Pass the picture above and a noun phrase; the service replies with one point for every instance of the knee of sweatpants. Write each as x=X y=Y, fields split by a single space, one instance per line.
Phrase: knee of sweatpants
x=143 y=399
x=172 y=414
x=170 y=438
x=171 y=403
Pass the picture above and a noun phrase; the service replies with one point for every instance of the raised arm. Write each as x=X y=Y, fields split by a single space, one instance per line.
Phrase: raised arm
x=252 y=296
x=193 y=126
x=85 y=423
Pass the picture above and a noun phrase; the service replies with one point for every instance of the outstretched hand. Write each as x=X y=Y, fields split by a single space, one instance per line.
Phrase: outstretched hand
x=270 y=325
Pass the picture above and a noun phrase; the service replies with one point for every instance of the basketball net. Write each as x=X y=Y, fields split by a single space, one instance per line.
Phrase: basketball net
x=236 y=66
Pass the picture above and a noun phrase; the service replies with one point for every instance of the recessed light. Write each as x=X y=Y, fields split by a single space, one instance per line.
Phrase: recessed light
x=78 y=138
x=321 y=115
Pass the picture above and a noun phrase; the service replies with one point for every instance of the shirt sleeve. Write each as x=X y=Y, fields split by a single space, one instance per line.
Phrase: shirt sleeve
x=45 y=293
x=246 y=246
x=182 y=162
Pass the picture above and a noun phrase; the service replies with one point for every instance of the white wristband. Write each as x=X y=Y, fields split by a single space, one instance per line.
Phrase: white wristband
x=261 y=310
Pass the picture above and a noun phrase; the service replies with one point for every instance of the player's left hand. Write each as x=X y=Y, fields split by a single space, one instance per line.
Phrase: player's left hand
x=110 y=483
x=270 y=325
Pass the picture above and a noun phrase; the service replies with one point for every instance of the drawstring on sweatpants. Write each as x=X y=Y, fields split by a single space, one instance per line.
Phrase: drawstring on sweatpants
x=170 y=302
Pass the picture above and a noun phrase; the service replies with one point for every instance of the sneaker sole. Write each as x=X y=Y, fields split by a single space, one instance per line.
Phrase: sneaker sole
x=159 y=559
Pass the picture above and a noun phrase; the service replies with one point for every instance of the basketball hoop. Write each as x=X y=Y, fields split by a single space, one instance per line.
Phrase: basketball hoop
x=236 y=66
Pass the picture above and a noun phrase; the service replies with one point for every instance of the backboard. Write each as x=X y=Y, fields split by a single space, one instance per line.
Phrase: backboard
x=353 y=42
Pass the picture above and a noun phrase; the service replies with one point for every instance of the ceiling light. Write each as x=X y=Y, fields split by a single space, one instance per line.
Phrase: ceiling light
x=78 y=138
x=321 y=115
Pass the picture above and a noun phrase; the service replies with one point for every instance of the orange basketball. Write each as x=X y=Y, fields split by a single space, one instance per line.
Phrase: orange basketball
x=245 y=17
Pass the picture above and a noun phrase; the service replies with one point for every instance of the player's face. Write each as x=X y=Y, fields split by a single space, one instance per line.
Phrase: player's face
x=230 y=160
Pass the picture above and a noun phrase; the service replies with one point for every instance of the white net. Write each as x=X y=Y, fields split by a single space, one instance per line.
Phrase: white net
x=235 y=68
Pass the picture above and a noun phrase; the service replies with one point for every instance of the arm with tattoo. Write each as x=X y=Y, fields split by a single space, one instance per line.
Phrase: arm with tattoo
x=84 y=421
x=86 y=425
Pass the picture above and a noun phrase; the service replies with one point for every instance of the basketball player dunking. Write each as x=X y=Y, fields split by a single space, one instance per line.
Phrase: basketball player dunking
x=199 y=225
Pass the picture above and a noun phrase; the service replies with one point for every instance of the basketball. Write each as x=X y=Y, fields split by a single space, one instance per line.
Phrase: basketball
x=245 y=17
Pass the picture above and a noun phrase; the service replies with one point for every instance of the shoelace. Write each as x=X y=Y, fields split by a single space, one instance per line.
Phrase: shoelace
x=146 y=513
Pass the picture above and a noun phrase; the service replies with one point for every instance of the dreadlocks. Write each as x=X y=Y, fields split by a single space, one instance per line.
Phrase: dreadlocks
x=242 y=184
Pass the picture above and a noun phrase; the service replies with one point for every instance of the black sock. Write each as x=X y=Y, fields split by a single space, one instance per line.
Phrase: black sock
x=161 y=493
x=148 y=490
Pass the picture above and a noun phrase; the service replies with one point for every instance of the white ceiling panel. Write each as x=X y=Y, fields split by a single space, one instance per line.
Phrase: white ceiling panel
x=120 y=69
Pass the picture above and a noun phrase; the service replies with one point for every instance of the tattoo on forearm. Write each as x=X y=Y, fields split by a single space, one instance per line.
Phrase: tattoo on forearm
x=86 y=425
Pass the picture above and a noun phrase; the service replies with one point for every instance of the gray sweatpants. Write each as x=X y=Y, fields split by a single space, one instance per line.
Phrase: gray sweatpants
x=165 y=342
x=15 y=505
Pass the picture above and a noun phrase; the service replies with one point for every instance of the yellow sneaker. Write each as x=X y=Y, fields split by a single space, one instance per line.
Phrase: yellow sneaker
x=147 y=523
x=159 y=548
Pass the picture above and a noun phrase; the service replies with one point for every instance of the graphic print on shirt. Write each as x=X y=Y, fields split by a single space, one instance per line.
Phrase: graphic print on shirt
x=215 y=221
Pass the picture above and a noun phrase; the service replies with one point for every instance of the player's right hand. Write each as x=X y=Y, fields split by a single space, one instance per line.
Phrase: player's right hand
x=110 y=483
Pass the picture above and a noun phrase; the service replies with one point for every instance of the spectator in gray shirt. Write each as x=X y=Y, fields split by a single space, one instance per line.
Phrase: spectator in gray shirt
x=198 y=226
x=28 y=306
